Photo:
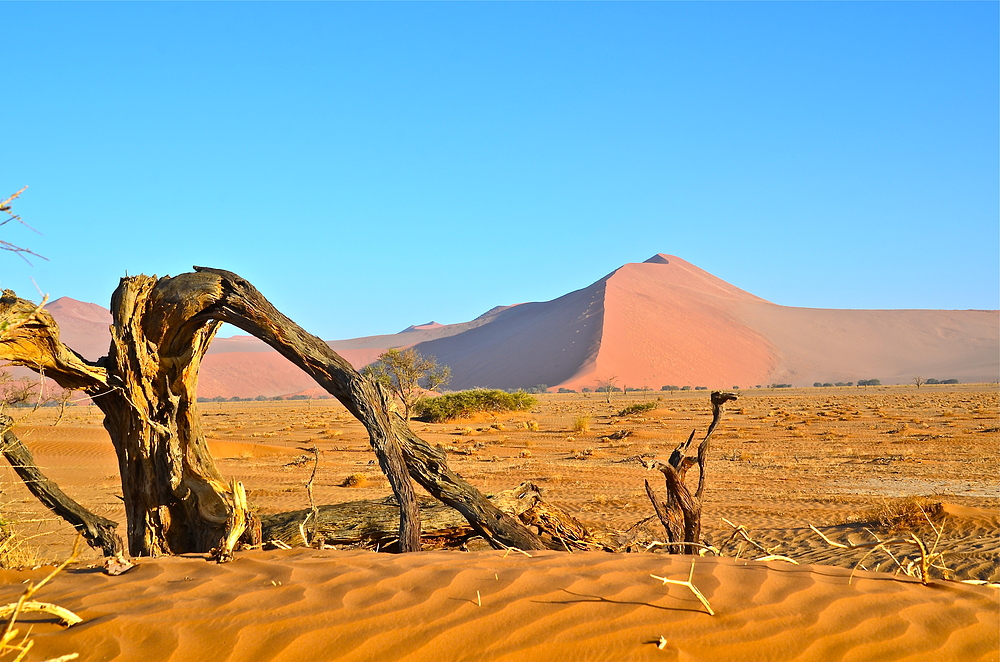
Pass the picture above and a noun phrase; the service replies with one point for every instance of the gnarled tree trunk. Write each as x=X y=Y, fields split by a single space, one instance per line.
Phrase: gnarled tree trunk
x=175 y=498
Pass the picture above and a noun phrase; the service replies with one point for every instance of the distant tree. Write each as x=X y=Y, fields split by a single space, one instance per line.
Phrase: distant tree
x=402 y=371
x=16 y=391
x=62 y=401
x=919 y=381
x=608 y=387
x=817 y=384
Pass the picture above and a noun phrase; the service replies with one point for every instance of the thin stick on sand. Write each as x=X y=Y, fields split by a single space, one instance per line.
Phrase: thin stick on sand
x=690 y=584
x=912 y=540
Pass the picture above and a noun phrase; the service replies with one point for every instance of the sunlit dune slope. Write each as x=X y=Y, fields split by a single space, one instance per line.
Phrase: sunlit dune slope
x=650 y=324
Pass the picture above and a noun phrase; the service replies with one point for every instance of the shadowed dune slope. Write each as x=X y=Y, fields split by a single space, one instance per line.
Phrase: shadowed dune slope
x=527 y=345
x=442 y=606
x=663 y=321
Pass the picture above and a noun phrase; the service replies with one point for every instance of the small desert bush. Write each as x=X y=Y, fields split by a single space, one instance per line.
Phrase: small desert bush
x=902 y=514
x=581 y=424
x=466 y=403
x=531 y=425
x=638 y=408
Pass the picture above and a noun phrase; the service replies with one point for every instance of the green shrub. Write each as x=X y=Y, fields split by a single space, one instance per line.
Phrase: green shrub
x=638 y=408
x=465 y=403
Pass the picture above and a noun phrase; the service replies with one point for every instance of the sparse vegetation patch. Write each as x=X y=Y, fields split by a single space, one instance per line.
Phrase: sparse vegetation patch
x=638 y=408
x=467 y=403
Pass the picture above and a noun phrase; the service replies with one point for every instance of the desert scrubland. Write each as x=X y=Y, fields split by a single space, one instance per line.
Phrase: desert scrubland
x=839 y=459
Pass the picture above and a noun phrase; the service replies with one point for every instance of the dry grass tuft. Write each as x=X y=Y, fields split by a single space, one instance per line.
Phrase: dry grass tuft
x=10 y=648
x=14 y=553
x=355 y=480
x=581 y=424
x=902 y=514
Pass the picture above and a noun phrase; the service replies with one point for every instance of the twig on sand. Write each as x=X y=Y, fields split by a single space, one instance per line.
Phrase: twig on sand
x=741 y=531
x=65 y=615
x=690 y=584
x=777 y=557
x=514 y=549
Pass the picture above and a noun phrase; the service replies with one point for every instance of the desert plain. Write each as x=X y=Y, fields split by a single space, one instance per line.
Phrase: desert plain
x=838 y=459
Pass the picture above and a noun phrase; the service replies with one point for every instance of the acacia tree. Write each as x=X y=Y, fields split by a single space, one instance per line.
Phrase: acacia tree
x=175 y=498
x=402 y=371
x=608 y=386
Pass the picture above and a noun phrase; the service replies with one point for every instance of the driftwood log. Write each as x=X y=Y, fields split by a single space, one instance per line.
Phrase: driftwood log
x=680 y=511
x=176 y=500
x=375 y=523
x=99 y=532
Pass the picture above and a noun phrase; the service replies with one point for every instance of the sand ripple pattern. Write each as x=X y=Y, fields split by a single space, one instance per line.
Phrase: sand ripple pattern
x=357 y=605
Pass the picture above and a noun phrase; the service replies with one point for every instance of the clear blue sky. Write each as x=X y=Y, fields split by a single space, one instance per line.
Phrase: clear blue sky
x=372 y=166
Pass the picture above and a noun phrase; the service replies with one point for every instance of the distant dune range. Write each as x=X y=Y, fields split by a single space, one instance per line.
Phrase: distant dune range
x=662 y=321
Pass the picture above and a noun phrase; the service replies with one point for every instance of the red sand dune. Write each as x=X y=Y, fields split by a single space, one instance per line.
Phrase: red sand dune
x=663 y=321
x=357 y=605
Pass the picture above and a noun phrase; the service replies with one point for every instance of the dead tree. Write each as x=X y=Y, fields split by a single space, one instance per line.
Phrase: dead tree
x=680 y=511
x=176 y=500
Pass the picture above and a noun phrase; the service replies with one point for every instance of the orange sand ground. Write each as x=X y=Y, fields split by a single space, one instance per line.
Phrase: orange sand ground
x=782 y=459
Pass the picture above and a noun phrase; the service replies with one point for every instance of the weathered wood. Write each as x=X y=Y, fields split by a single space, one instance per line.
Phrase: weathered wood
x=680 y=511
x=375 y=523
x=98 y=531
x=175 y=499
x=30 y=338
x=372 y=523
x=525 y=502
